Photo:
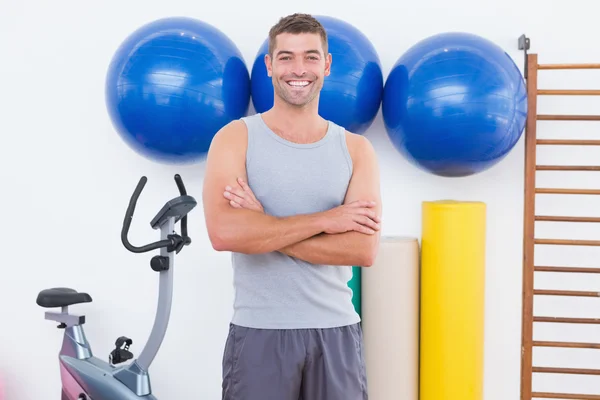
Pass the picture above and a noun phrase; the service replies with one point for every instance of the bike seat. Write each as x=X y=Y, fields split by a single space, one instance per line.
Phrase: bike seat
x=61 y=297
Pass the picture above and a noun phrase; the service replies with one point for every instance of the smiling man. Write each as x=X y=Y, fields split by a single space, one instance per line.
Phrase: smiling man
x=296 y=200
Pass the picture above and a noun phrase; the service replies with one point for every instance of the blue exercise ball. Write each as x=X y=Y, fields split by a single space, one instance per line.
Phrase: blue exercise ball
x=351 y=94
x=454 y=104
x=171 y=85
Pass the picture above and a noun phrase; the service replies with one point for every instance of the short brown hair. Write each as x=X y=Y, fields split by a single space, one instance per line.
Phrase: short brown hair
x=295 y=24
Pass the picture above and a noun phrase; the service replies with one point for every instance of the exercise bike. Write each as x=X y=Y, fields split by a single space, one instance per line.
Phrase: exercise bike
x=86 y=377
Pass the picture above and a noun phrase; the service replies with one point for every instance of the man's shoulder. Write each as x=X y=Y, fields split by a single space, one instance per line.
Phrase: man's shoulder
x=358 y=145
x=235 y=131
x=232 y=138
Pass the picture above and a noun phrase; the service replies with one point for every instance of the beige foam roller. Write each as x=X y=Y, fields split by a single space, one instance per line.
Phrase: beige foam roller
x=390 y=320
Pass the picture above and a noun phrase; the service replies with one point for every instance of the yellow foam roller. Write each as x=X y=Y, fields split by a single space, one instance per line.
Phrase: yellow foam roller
x=452 y=300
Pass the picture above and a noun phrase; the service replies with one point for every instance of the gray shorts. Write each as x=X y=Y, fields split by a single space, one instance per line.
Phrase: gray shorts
x=294 y=364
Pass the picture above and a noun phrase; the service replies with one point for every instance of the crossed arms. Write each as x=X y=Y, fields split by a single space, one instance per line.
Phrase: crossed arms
x=346 y=235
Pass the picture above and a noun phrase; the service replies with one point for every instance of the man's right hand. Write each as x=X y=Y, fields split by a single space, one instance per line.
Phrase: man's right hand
x=355 y=216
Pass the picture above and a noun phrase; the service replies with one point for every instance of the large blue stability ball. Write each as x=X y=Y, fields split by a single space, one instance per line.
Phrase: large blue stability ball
x=171 y=85
x=455 y=104
x=351 y=94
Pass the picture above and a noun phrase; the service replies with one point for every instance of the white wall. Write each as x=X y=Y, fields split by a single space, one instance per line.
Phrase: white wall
x=64 y=198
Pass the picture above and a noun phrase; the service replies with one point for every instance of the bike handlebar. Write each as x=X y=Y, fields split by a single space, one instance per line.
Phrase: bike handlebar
x=182 y=192
x=129 y=216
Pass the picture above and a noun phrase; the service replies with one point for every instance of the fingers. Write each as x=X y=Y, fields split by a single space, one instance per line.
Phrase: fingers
x=359 y=208
x=239 y=193
x=239 y=199
x=367 y=223
x=363 y=229
x=246 y=189
x=369 y=213
x=234 y=197
x=234 y=204
x=243 y=192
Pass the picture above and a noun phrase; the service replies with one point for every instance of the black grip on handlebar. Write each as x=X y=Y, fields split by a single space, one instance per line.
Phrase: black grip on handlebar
x=127 y=223
x=183 y=192
x=180 y=185
x=130 y=210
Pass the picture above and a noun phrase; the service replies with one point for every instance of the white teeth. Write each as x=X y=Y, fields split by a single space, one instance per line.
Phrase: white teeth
x=298 y=83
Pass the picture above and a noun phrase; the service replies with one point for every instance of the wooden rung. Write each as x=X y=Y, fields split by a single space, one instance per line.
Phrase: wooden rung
x=565 y=242
x=565 y=396
x=567 y=167
x=574 y=371
x=566 y=191
x=569 y=293
x=567 y=320
x=568 y=66
x=575 y=270
x=566 y=345
x=546 y=117
x=571 y=92
x=567 y=142
x=566 y=219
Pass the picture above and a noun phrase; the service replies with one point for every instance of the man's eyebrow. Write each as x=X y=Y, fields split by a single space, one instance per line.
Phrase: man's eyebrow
x=314 y=51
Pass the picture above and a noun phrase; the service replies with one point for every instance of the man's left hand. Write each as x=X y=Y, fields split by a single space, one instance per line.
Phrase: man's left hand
x=242 y=197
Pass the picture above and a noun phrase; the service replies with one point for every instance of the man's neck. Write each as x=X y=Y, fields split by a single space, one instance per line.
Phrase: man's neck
x=296 y=124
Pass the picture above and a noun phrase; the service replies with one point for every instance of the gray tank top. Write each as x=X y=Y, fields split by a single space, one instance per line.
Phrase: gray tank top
x=274 y=290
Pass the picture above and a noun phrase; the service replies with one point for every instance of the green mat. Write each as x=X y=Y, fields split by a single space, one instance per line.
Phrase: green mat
x=354 y=284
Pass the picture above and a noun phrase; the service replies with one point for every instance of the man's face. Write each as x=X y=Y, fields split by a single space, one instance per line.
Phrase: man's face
x=298 y=67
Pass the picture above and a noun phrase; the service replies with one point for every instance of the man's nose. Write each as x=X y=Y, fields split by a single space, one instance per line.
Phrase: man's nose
x=298 y=68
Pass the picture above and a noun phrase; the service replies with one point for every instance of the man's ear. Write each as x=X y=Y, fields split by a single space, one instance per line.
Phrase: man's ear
x=328 y=61
x=269 y=64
